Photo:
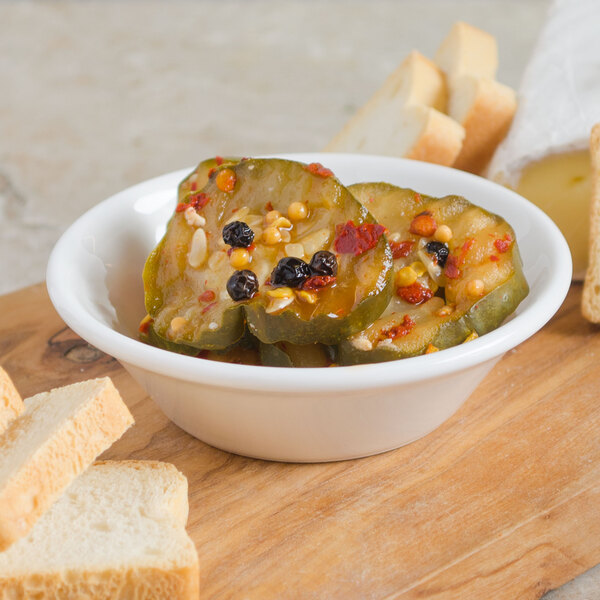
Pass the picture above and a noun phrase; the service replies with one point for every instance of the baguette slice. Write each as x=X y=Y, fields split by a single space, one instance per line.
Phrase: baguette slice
x=590 y=303
x=56 y=437
x=467 y=50
x=415 y=131
x=118 y=532
x=11 y=405
x=485 y=108
x=417 y=81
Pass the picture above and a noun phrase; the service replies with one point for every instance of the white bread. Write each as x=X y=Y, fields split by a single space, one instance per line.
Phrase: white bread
x=467 y=50
x=590 y=303
x=56 y=437
x=118 y=532
x=11 y=405
x=485 y=108
x=415 y=131
x=404 y=118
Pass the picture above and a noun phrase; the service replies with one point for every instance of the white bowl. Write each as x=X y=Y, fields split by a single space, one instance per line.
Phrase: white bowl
x=304 y=415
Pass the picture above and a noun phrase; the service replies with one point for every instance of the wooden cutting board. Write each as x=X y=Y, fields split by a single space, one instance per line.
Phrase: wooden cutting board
x=502 y=501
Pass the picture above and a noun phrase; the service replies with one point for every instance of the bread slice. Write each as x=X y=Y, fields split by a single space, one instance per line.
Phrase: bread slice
x=11 y=405
x=467 y=50
x=56 y=437
x=416 y=131
x=590 y=303
x=485 y=108
x=376 y=125
x=117 y=533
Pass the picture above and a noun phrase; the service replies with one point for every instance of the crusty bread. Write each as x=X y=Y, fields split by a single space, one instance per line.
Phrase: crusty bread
x=414 y=131
x=430 y=135
x=590 y=303
x=485 y=108
x=467 y=50
x=118 y=532
x=11 y=405
x=56 y=437
x=416 y=89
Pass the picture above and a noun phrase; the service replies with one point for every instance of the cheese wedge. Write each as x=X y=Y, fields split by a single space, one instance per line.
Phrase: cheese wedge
x=545 y=155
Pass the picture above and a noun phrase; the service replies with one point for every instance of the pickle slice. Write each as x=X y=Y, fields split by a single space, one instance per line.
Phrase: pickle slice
x=442 y=297
x=284 y=354
x=187 y=275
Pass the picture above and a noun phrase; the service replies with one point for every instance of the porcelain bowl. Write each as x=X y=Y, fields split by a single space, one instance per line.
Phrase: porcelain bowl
x=302 y=415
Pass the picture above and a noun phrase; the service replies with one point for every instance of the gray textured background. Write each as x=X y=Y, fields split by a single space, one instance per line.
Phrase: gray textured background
x=96 y=96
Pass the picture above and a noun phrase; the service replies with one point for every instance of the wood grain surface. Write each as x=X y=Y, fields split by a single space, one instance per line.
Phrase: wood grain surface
x=502 y=501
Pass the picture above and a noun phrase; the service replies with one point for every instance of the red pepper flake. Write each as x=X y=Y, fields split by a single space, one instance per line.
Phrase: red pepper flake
x=145 y=325
x=211 y=172
x=423 y=224
x=208 y=307
x=196 y=201
x=502 y=245
x=268 y=207
x=401 y=249
x=318 y=282
x=494 y=258
x=202 y=354
x=219 y=160
x=451 y=270
x=340 y=312
x=398 y=330
x=417 y=198
x=318 y=169
x=351 y=239
x=194 y=186
x=465 y=250
x=414 y=293
x=207 y=296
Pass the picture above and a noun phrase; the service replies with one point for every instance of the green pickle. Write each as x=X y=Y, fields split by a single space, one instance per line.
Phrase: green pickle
x=188 y=276
x=274 y=262
x=476 y=283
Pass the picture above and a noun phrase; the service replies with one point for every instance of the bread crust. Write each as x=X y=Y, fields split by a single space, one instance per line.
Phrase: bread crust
x=590 y=301
x=440 y=141
x=122 y=584
x=54 y=465
x=11 y=404
x=486 y=122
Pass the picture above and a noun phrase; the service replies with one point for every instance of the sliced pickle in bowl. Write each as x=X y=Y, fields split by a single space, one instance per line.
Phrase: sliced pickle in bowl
x=457 y=274
x=275 y=246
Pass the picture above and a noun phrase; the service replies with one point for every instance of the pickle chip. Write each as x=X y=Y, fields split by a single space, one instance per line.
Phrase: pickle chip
x=273 y=245
x=457 y=274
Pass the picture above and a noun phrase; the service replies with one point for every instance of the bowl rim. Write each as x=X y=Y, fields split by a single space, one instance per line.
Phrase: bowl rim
x=342 y=378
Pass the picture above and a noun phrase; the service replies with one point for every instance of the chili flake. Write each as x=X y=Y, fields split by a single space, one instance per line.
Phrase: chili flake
x=318 y=169
x=494 y=258
x=145 y=324
x=317 y=282
x=401 y=249
x=400 y=330
x=268 y=206
x=502 y=245
x=465 y=250
x=423 y=224
x=207 y=296
x=219 y=160
x=414 y=293
x=208 y=307
x=352 y=239
x=196 y=201
x=451 y=270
